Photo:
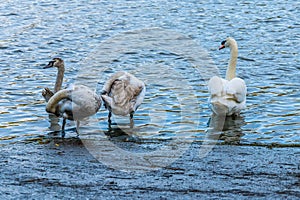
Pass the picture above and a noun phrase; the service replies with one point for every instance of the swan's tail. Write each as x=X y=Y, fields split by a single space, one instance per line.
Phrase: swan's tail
x=47 y=94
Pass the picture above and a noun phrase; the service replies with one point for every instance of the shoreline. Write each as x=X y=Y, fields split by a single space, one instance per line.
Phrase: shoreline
x=64 y=168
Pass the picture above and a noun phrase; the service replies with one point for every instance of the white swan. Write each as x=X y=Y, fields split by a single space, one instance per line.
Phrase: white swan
x=74 y=103
x=122 y=94
x=228 y=96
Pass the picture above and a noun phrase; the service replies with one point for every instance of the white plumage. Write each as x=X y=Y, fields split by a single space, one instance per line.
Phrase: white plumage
x=228 y=96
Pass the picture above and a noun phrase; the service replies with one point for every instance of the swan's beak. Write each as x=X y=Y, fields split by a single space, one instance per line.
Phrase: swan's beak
x=50 y=64
x=222 y=47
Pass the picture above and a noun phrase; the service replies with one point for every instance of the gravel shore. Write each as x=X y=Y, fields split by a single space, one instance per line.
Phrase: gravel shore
x=65 y=169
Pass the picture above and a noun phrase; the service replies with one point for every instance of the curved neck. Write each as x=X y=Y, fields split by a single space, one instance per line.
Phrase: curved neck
x=58 y=96
x=230 y=73
x=59 y=78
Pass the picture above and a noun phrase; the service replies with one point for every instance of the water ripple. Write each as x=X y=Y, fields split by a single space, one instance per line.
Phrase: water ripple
x=268 y=36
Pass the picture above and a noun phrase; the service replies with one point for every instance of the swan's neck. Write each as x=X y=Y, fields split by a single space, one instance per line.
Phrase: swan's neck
x=59 y=79
x=231 y=69
x=57 y=97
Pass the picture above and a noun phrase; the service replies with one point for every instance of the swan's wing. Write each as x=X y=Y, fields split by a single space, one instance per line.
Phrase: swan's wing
x=119 y=93
x=109 y=83
x=136 y=91
x=123 y=93
x=123 y=108
x=216 y=86
x=126 y=89
x=85 y=101
x=238 y=89
x=227 y=97
x=79 y=101
x=139 y=98
x=136 y=87
x=82 y=95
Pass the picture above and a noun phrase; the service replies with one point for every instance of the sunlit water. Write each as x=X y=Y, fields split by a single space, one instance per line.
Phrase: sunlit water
x=83 y=34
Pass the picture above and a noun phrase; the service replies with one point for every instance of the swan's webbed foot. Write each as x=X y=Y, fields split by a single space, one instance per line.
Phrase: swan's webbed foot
x=47 y=94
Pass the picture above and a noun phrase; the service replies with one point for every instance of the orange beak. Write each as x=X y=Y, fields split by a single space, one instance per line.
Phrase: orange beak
x=222 y=47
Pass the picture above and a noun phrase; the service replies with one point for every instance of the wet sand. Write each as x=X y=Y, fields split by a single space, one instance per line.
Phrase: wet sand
x=64 y=169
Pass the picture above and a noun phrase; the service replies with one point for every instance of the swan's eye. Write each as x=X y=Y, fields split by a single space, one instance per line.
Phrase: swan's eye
x=223 y=42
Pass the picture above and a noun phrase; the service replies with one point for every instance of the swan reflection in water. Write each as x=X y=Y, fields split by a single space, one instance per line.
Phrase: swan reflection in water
x=120 y=133
x=227 y=129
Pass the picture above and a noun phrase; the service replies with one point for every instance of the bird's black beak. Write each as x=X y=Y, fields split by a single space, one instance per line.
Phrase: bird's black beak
x=50 y=64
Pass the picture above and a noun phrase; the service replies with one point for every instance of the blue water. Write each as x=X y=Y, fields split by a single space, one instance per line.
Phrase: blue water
x=171 y=45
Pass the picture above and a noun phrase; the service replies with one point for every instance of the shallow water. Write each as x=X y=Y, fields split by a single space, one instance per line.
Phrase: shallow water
x=172 y=46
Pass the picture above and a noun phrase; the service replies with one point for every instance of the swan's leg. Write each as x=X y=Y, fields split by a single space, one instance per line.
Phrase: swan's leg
x=208 y=123
x=131 y=120
x=77 y=127
x=109 y=116
x=63 y=128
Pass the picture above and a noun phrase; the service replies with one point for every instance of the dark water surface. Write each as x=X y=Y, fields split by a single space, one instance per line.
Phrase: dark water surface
x=158 y=41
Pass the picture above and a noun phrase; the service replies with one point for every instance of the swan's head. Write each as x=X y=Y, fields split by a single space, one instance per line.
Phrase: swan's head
x=227 y=43
x=56 y=62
